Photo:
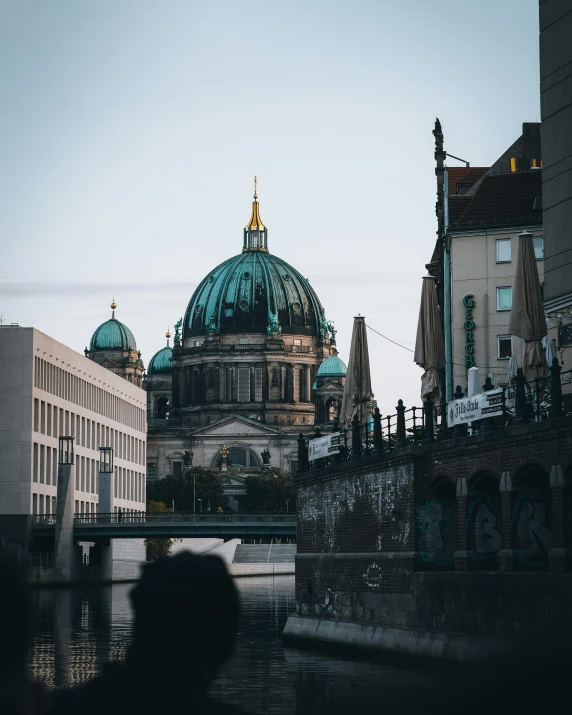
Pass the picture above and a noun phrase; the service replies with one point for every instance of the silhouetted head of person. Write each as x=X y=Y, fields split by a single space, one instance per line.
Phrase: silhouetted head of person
x=15 y=614
x=186 y=617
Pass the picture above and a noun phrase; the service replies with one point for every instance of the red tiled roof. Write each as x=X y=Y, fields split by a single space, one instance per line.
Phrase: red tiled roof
x=464 y=175
x=502 y=200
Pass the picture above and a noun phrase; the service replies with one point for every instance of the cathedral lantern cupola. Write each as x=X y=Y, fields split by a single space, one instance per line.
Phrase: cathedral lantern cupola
x=255 y=232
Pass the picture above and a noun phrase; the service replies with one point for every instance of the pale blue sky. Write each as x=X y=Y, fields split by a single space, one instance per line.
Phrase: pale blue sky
x=130 y=132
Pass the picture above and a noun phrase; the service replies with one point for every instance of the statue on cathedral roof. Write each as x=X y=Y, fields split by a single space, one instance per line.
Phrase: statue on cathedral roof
x=274 y=330
x=177 y=339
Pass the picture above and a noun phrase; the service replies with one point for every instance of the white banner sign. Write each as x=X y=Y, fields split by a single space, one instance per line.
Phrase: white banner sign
x=324 y=446
x=486 y=404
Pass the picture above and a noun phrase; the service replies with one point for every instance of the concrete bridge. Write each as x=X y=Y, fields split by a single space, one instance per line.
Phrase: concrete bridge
x=120 y=525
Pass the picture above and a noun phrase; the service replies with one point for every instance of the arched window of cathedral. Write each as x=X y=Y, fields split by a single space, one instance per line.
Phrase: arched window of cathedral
x=163 y=407
x=332 y=410
x=239 y=457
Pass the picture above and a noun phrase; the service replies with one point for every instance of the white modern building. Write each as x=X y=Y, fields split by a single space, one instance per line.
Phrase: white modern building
x=48 y=390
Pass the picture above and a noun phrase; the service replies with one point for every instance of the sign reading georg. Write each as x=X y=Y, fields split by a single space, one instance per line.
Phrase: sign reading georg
x=487 y=404
x=324 y=446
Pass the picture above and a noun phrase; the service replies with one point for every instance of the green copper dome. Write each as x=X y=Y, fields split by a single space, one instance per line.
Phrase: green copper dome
x=160 y=363
x=248 y=292
x=112 y=335
x=332 y=367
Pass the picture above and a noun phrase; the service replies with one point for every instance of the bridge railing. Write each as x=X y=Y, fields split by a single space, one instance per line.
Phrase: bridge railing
x=129 y=518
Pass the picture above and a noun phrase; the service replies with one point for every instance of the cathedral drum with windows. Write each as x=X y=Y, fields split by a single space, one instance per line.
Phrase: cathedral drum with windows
x=243 y=366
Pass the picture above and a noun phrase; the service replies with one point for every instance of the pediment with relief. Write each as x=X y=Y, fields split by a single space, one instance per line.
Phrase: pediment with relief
x=236 y=427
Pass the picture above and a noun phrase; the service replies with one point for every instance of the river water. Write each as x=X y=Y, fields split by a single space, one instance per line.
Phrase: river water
x=76 y=631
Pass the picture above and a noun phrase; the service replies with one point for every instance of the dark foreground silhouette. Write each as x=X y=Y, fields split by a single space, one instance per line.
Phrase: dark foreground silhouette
x=186 y=613
x=186 y=617
x=19 y=695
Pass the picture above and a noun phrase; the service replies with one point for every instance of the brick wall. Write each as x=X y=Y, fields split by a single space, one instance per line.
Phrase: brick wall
x=373 y=533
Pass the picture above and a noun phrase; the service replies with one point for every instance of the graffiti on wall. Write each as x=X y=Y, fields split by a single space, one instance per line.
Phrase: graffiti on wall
x=484 y=531
x=531 y=521
x=436 y=532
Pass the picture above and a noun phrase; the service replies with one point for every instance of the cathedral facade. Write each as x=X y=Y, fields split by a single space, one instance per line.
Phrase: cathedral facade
x=244 y=367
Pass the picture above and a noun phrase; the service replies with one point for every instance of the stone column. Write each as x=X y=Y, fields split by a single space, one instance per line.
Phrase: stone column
x=283 y=373
x=176 y=387
x=252 y=383
x=461 y=555
x=191 y=383
x=265 y=382
x=64 y=535
x=308 y=383
x=507 y=556
x=293 y=383
x=221 y=382
x=106 y=507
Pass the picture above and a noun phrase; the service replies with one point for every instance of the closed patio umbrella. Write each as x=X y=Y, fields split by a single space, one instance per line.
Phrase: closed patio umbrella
x=527 y=318
x=357 y=388
x=429 y=345
x=550 y=352
x=512 y=368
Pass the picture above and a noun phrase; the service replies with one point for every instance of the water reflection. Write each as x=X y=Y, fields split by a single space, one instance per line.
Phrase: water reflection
x=77 y=630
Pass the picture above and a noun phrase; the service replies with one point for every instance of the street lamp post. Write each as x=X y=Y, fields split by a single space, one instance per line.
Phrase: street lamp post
x=201 y=505
x=194 y=492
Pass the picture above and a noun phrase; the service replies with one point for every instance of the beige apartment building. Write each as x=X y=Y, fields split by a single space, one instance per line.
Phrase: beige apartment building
x=48 y=390
x=480 y=212
x=483 y=266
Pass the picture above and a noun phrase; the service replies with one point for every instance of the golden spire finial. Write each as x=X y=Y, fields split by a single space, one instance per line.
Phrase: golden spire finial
x=168 y=335
x=255 y=223
x=113 y=306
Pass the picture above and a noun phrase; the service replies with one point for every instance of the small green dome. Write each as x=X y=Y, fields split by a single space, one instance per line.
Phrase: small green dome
x=332 y=367
x=160 y=363
x=112 y=335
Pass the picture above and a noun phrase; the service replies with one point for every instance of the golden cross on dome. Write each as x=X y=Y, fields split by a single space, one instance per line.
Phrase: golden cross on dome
x=224 y=451
x=255 y=182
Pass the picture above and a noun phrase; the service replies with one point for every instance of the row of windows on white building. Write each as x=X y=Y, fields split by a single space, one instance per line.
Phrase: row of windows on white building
x=54 y=421
x=57 y=381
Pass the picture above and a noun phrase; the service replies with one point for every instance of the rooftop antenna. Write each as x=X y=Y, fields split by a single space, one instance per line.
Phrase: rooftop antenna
x=467 y=164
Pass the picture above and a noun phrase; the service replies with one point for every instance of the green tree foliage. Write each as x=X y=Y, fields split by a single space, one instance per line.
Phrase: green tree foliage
x=158 y=548
x=180 y=491
x=269 y=491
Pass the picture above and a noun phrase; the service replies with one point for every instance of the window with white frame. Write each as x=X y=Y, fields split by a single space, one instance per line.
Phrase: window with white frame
x=538 y=243
x=504 y=347
x=504 y=298
x=504 y=250
x=297 y=341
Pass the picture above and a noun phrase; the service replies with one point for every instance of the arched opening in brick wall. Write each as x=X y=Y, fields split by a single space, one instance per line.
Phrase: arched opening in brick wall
x=531 y=522
x=484 y=527
x=437 y=525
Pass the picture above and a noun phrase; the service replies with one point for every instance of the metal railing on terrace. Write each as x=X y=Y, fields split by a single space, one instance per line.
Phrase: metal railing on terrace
x=524 y=402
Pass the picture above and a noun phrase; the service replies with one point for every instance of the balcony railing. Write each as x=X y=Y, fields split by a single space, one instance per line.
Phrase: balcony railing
x=524 y=402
